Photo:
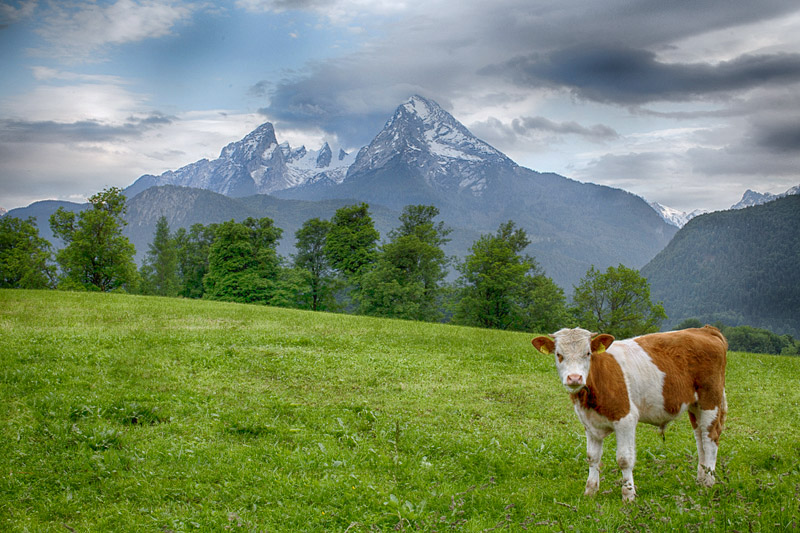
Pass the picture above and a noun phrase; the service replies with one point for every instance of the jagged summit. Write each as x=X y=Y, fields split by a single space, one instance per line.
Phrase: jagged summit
x=425 y=136
x=751 y=197
x=256 y=164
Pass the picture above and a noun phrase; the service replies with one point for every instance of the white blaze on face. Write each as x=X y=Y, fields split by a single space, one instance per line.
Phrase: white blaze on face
x=573 y=355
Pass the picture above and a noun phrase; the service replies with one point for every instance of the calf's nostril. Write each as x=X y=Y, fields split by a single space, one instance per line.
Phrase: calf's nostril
x=574 y=379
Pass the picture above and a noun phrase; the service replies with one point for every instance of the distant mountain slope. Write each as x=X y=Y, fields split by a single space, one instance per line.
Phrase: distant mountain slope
x=738 y=266
x=41 y=211
x=184 y=206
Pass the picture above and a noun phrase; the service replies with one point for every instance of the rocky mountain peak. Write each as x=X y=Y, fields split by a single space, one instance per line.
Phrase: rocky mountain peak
x=253 y=145
x=425 y=136
x=751 y=197
x=325 y=156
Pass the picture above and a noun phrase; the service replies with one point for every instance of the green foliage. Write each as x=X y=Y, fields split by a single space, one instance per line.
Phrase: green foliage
x=351 y=242
x=243 y=264
x=24 y=256
x=690 y=323
x=193 y=249
x=315 y=277
x=502 y=289
x=125 y=413
x=616 y=302
x=739 y=267
x=96 y=256
x=750 y=339
x=159 y=272
x=407 y=279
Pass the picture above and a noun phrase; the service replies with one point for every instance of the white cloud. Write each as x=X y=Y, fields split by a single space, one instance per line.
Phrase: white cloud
x=79 y=30
x=337 y=11
x=10 y=14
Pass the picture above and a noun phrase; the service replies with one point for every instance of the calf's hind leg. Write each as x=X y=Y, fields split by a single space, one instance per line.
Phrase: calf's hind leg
x=707 y=424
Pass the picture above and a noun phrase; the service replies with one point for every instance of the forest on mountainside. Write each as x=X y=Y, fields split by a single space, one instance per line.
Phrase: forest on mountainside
x=738 y=267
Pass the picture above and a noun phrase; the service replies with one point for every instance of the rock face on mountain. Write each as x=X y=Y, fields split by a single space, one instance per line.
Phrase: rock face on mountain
x=255 y=165
x=674 y=216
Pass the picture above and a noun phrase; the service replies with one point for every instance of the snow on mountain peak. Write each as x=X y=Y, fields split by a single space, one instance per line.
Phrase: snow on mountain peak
x=751 y=198
x=674 y=216
x=426 y=136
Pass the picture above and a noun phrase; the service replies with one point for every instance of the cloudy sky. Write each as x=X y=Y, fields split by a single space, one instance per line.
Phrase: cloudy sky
x=683 y=102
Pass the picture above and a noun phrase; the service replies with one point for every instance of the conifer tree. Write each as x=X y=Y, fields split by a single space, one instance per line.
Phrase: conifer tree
x=159 y=272
x=407 y=279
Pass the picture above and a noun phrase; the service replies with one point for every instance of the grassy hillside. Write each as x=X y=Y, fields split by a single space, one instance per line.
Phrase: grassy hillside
x=123 y=413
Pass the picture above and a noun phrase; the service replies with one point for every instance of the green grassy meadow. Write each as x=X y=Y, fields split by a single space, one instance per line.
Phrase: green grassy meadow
x=127 y=413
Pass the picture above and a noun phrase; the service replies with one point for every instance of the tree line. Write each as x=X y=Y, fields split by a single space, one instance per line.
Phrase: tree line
x=340 y=265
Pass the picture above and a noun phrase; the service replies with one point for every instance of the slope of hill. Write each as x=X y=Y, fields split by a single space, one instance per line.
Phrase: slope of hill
x=738 y=266
x=125 y=413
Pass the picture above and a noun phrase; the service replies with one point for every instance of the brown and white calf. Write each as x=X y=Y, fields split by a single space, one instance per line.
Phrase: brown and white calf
x=654 y=378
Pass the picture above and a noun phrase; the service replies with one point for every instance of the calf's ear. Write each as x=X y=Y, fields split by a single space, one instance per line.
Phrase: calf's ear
x=601 y=342
x=544 y=345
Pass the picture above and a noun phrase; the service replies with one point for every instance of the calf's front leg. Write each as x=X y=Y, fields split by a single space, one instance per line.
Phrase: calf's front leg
x=626 y=457
x=594 y=453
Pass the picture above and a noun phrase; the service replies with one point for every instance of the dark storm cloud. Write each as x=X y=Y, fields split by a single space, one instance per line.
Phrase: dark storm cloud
x=20 y=131
x=627 y=76
x=779 y=136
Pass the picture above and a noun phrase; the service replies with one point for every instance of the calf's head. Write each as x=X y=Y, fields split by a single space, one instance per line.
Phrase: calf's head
x=573 y=349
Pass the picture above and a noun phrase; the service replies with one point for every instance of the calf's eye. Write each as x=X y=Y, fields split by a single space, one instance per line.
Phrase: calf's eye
x=560 y=357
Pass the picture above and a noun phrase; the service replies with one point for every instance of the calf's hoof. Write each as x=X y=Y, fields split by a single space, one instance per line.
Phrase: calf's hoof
x=705 y=477
x=591 y=489
x=628 y=494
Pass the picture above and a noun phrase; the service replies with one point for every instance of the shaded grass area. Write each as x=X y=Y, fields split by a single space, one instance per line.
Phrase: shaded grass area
x=125 y=413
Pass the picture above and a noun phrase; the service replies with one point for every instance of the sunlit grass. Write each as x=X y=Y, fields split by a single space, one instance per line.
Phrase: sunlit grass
x=123 y=413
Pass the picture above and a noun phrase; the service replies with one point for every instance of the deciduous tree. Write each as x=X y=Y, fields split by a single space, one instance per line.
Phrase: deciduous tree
x=616 y=301
x=504 y=289
x=97 y=256
x=24 y=256
x=315 y=272
x=193 y=249
x=243 y=263
x=351 y=244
